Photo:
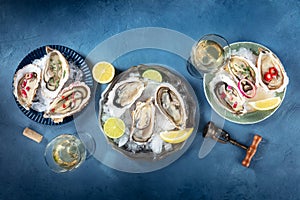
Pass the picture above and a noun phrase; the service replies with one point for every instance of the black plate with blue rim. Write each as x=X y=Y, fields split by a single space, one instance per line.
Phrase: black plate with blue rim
x=71 y=56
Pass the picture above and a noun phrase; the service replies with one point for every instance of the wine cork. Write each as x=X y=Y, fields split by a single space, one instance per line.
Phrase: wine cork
x=31 y=134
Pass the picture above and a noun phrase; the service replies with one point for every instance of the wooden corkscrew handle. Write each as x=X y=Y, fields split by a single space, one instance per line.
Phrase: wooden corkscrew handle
x=251 y=150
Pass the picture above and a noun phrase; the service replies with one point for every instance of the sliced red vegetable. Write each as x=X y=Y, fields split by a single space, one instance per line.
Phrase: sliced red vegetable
x=27 y=88
x=274 y=72
x=24 y=93
x=223 y=95
x=64 y=106
x=240 y=87
x=53 y=109
x=234 y=105
x=268 y=76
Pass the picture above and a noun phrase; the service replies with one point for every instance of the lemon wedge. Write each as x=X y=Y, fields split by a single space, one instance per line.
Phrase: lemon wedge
x=152 y=75
x=103 y=72
x=175 y=137
x=114 y=127
x=266 y=104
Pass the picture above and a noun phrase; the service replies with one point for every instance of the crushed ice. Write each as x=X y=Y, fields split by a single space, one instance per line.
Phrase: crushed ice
x=246 y=53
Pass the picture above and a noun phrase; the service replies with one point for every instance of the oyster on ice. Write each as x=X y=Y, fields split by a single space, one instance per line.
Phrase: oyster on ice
x=124 y=94
x=171 y=105
x=55 y=73
x=71 y=99
x=269 y=64
x=26 y=82
x=226 y=92
x=143 y=118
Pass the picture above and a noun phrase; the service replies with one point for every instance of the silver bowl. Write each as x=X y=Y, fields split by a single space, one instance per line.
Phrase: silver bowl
x=190 y=103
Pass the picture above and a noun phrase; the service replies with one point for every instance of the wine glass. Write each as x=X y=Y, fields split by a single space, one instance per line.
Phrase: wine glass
x=67 y=152
x=208 y=55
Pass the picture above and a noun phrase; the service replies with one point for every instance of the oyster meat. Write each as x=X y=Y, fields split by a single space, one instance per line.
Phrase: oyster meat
x=26 y=82
x=55 y=73
x=245 y=74
x=143 y=118
x=70 y=100
x=269 y=64
x=240 y=68
x=226 y=92
x=171 y=105
x=124 y=94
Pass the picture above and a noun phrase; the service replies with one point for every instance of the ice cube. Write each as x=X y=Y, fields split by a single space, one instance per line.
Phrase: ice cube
x=123 y=140
x=156 y=144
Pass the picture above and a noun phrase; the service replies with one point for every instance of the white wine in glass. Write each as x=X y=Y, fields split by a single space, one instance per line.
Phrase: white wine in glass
x=65 y=153
x=209 y=54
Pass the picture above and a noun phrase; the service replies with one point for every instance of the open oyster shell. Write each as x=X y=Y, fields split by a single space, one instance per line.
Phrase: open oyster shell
x=265 y=61
x=70 y=100
x=143 y=118
x=171 y=105
x=26 y=82
x=240 y=68
x=225 y=91
x=124 y=94
x=55 y=73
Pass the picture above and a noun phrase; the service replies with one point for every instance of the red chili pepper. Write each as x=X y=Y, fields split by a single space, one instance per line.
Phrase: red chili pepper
x=63 y=97
x=268 y=76
x=64 y=106
x=24 y=83
x=24 y=93
x=27 y=88
x=234 y=105
x=53 y=109
x=273 y=71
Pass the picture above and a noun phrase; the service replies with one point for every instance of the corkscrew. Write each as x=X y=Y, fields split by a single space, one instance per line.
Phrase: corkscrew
x=224 y=137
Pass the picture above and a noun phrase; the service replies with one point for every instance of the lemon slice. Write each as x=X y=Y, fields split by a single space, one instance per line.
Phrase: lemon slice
x=152 y=75
x=266 y=104
x=114 y=127
x=175 y=137
x=103 y=72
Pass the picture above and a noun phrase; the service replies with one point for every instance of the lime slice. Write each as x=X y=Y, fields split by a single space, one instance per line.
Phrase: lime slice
x=114 y=127
x=103 y=72
x=266 y=104
x=152 y=75
x=175 y=137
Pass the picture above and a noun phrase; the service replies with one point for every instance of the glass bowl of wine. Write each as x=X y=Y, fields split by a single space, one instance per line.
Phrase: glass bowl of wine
x=208 y=55
x=65 y=153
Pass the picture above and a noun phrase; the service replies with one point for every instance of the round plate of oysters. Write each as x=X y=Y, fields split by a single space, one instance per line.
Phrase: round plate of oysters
x=51 y=84
x=161 y=114
x=250 y=88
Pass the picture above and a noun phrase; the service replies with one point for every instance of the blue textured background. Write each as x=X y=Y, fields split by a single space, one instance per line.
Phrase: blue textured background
x=81 y=25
